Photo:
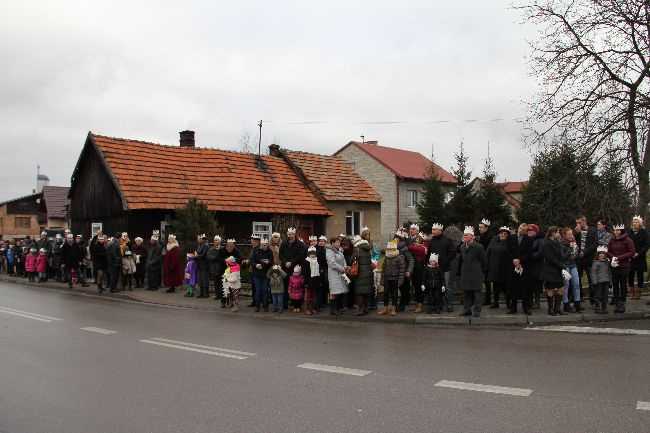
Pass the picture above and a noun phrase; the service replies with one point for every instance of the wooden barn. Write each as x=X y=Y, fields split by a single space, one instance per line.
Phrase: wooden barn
x=130 y=185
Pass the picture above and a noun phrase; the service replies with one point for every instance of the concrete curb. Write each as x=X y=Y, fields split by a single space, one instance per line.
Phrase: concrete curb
x=516 y=320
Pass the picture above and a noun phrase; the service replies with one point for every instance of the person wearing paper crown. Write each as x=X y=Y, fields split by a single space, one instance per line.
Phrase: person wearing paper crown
x=172 y=271
x=621 y=251
x=229 y=250
x=189 y=275
x=154 y=264
x=296 y=288
x=520 y=281
x=232 y=281
x=392 y=277
x=602 y=277
x=446 y=250
x=433 y=284
x=215 y=268
x=553 y=273
x=638 y=265
x=405 y=288
x=472 y=264
x=141 y=252
x=499 y=257
x=261 y=261
x=484 y=238
x=292 y=252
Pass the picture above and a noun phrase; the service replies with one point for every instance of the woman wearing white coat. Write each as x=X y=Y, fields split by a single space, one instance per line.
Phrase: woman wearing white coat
x=336 y=267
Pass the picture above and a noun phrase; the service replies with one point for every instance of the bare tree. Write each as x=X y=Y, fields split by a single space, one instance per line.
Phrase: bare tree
x=247 y=143
x=591 y=60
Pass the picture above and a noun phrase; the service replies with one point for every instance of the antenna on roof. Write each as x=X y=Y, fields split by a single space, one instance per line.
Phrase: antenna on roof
x=259 y=144
x=363 y=138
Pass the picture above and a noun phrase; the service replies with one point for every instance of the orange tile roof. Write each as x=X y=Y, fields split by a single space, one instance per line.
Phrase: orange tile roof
x=154 y=176
x=334 y=177
x=515 y=187
x=404 y=163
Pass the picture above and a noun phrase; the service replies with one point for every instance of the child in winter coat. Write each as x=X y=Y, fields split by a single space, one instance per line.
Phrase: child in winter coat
x=313 y=276
x=41 y=265
x=392 y=277
x=601 y=276
x=296 y=283
x=128 y=269
x=30 y=264
x=232 y=282
x=189 y=276
x=276 y=278
x=434 y=284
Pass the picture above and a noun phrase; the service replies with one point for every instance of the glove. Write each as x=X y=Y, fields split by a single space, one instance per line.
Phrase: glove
x=614 y=262
x=566 y=274
x=423 y=288
x=443 y=289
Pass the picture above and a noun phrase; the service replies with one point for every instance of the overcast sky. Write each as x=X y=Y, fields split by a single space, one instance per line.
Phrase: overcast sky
x=148 y=69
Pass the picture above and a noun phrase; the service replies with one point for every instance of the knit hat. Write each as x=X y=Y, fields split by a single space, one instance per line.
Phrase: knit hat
x=433 y=258
x=533 y=227
x=297 y=269
x=231 y=261
x=79 y=236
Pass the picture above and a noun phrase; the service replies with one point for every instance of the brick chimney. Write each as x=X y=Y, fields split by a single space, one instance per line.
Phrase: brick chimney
x=372 y=142
x=187 y=138
x=274 y=150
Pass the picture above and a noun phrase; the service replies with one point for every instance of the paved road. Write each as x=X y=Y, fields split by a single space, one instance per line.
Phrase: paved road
x=146 y=368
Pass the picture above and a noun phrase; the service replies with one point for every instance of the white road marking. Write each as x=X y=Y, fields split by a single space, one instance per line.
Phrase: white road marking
x=590 y=330
x=99 y=330
x=218 y=349
x=13 y=313
x=643 y=405
x=194 y=349
x=484 y=388
x=333 y=369
x=30 y=314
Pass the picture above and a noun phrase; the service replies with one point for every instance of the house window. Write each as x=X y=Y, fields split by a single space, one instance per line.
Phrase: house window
x=23 y=222
x=411 y=198
x=449 y=196
x=353 y=222
x=263 y=229
x=93 y=229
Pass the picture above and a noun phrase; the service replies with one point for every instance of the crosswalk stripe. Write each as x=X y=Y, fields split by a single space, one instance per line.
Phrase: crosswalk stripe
x=643 y=405
x=484 y=388
x=201 y=346
x=334 y=369
x=590 y=330
x=99 y=330
x=194 y=349
x=29 y=313
x=13 y=313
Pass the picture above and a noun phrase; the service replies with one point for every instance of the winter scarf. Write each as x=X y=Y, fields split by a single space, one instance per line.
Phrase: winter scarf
x=172 y=245
x=392 y=253
x=313 y=266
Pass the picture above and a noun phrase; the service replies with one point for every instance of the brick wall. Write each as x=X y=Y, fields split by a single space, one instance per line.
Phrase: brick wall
x=335 y=224
x=8 y=229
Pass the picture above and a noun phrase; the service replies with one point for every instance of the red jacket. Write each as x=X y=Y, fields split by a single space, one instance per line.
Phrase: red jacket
x=30 y=263
x=172 y=271
x=419 y=252
x=41 y=262
x=623 y=249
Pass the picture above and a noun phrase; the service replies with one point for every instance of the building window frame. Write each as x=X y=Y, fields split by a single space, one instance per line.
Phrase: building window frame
x=22 y=222
x=411 y=197
x=263 y=228
x=353 y=222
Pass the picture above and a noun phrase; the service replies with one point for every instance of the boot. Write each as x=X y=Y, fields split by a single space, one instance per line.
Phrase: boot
x=333 y=311
x=535 y=305
x=566 y=307
x=637 y=293
x=223 y=302
x=603 y=308
x=383 y=312
x=428 y=309
x=578 y=307
x=620 y=308
x=393 y=311
x=549 y=301
x=557 y=301
x=418 y=309
x=257 y=308
x=598 y=310
x=266 y=307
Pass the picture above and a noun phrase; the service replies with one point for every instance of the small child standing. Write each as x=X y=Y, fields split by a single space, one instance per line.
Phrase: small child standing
x=276 y=278
x=189 y=276
x=41 y=265
x=602 y=276
x=296 y=283
x=313 y=276
x=434 y=282
x=128 y=269
x=392 y=277
x=30 y=265
x=232 y=282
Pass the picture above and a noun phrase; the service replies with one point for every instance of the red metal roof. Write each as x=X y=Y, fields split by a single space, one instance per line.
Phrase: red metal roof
x=154 y=176
x=513 y=187
x=404 y=163
x=335 y=178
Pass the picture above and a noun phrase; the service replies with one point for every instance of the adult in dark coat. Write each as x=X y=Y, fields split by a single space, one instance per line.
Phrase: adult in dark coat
x=552 y=270
x=56 y=258
x=261 y=261
x=82 y=259
x=520 y=284
x=292 y=252
x=69 y=258
x=364 y=283
x=100 y=261
x=141 y=252
x=215 y=266
x=202 y=269
x=114 y=261
x=484 y=238
x=172 y=271
x=154 y=264
x=639 y=265
x=446 y=250
x=621 y=251
x=536 y=263
x=472 y=265
x=499 y=258
x=587 y=240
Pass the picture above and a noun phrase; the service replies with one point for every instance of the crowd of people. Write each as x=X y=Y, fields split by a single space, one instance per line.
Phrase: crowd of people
x=349 y=274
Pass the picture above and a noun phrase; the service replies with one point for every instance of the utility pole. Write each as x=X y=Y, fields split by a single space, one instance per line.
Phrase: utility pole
x=259 y=144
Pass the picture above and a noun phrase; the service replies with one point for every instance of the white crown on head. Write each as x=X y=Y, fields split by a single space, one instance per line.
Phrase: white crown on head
x=217 y=237
x=154 y=238
x=313 y=238
x=437 y=226
x=231 y=240
x=275 y=235
x=172 y=237
x=504 y=228
x=485 y=222
x=125 y=235
x=619 y=227
x=200 y=236
x=433 y=257
x=601 y=249
x=291 y=230
x=638 y=219
x=415 y=226
x=139 y=239
x=365 y=229
x=156 y=232
x=310 y=249
x=424 y=237
x=400 y=232
x=469 y=230
x=264 y=241
x=322 y=238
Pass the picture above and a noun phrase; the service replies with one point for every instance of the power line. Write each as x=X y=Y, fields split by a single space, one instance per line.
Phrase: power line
x=392 y=122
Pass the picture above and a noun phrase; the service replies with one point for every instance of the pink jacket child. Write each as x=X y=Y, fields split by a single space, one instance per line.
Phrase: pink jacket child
x=30 y=261
x=296 y=284
x=41 y=262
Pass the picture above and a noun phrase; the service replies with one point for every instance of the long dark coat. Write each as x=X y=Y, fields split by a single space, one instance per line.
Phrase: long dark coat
x=140 y=267
x=499 y=259
x=553 y=262
x=641 y=243
x=363 y=284
x=172 y=271
x=472 y=264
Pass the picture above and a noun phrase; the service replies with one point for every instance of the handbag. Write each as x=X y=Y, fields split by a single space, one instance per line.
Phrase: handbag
x=353 y=272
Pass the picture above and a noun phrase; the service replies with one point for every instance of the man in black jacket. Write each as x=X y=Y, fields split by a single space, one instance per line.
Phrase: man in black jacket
x=80 y=267
x=114 y=261
x=202 y=271
x=69 y=258
x=215 y=268
x=484 y=238
x=154 y=264
x=587 y=240
x=292 y=252
x=521 y=247
x=446 y=250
